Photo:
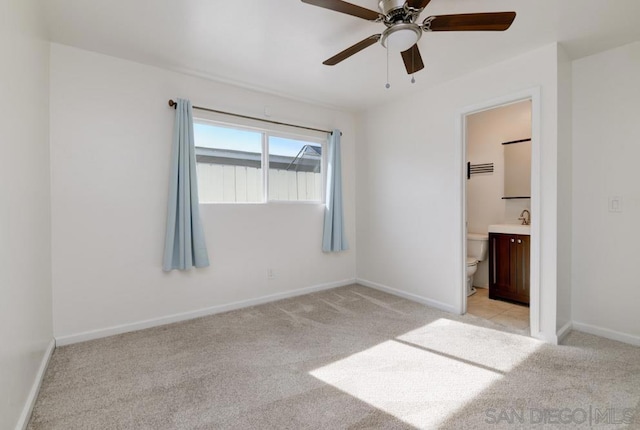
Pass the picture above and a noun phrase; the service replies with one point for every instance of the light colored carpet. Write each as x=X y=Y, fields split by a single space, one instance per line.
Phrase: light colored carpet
x=351 y=358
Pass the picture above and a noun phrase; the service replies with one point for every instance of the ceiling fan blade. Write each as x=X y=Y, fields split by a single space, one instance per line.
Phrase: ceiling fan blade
x=344 y=7
x=494 y=21
x=412 y=59
x=418 y=4
x=352 y=50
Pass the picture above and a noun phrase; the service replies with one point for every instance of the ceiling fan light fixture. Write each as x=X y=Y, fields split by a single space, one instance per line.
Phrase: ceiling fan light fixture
x=401 y=37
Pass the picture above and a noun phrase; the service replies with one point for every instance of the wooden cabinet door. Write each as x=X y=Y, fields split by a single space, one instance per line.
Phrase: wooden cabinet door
x=509 y=268
x=502 y=275
x=523 y=268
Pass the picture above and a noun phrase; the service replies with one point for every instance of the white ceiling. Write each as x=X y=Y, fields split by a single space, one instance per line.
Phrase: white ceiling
x=278 y=45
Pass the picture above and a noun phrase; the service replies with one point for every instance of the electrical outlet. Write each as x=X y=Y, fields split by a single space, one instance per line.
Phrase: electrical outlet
x=615 y=204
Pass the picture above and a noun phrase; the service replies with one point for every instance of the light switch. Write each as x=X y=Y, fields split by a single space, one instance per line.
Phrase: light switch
x=615 y=204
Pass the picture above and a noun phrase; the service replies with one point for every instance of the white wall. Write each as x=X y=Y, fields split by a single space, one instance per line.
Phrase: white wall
x=410 y=239
x=606 y=150
x=565 y=190
x=485 y=133
x=25 y=234
x=111 y=134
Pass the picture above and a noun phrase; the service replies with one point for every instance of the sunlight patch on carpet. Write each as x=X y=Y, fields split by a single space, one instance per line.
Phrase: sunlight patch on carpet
x=428 y=374
x=486 y=347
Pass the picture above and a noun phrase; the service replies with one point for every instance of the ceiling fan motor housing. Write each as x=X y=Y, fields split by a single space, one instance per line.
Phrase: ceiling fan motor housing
x=392 y=9
x=401 y=33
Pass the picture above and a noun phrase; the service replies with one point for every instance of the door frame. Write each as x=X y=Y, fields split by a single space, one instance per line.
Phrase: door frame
x=533 y=94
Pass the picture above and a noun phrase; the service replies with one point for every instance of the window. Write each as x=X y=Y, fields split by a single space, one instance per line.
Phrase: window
x=230 y=164
x=295 y=170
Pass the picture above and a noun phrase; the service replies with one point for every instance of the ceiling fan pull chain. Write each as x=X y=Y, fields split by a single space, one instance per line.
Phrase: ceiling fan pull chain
x=388 y=85
x=413 y=66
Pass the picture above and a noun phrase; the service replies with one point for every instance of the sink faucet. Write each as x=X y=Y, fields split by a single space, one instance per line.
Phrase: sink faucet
x=526 y=219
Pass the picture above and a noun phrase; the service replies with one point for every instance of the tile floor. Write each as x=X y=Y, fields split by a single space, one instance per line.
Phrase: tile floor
x=503 y=313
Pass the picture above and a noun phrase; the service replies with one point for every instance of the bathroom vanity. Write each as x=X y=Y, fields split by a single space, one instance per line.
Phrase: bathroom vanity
x=509 y=262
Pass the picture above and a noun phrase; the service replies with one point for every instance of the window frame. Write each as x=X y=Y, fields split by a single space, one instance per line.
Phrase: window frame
x=311 y=137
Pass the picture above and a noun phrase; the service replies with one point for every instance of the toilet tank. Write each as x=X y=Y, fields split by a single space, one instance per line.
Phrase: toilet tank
x=477 y=246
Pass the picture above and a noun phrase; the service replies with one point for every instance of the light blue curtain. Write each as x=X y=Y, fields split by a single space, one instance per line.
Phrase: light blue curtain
x=184 y=244
x=333 y=237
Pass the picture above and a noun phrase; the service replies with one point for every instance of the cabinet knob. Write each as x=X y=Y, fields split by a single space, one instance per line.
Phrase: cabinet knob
x=519 y=241
x=513 y=240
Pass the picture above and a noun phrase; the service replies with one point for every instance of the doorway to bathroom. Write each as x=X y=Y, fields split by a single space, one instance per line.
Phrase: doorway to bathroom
x=499 y=198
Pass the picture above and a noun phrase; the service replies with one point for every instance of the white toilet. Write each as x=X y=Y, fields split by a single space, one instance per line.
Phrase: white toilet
x=477 y=247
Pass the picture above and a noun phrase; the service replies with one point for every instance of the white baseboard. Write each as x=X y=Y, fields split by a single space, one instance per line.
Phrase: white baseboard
x=564 y=331
x=25 y=416
x=409 y=296
x=141 y=325
x=609 y=334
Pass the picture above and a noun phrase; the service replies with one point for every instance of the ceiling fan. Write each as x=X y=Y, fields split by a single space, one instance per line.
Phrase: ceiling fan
x=403 y=32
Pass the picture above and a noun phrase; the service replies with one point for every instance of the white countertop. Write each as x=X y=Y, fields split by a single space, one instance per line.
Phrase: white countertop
x=510 y=229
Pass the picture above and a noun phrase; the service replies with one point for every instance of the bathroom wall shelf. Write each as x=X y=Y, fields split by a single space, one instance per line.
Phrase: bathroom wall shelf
x=516 y=141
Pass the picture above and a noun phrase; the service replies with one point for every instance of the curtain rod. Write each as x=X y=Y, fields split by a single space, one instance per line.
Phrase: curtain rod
x=174 y=104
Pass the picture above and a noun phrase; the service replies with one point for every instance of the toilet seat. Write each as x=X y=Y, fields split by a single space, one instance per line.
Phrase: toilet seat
x=471 y=261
